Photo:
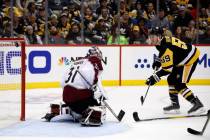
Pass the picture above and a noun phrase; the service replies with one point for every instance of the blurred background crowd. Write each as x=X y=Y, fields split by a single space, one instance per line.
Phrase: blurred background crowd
x=104 y=21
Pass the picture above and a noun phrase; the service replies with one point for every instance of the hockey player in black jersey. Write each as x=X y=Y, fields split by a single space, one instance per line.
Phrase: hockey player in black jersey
x=178 y=61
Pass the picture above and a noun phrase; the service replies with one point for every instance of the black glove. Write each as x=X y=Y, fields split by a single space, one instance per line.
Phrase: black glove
x=153 y=79
x=156 y=64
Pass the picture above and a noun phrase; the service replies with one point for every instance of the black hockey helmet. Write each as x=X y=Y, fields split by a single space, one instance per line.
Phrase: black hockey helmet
x=157 y=31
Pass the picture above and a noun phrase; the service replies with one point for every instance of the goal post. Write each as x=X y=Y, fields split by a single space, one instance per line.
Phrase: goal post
x=13 y=77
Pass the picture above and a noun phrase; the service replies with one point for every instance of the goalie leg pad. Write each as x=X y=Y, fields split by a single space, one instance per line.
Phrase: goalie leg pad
x=55 y=109
x=93 y=116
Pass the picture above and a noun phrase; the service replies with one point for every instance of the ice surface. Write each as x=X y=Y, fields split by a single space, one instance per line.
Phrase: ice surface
x=126 y=98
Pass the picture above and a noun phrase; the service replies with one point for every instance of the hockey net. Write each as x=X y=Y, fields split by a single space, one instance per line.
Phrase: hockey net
x=12 y=80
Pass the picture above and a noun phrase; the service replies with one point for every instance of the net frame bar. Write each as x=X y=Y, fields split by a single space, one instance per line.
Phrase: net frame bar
x=23 y=73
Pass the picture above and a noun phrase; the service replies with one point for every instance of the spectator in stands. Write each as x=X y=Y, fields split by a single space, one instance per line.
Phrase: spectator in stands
x=90 y=33
x=108 y=19
x=7 y=9
x=41 y=15
x=205 y=38
x=93 y=4
x=192 y=31
x=74 y=14
x=179 y=33
x=123 y=7
x=7 y=30
x=54 y=37
x=161 y=20
x=113 y=5
x=63 y=25
x=103 y=4
x=53 y=21
x=179 y=14
x=125 y=24
x=182 y=19
x=31 y=37
x=56 y=5
x=101 y=32
x=18 y=24
x=31 y=20
x=41 y=21
x=141 y=13
x=192 y=11
x=173 y=9
x=74 y=36
x=65 y=9
x=150 y=11
x=203 y=20
x=137 y=36
x=116 y=37
x=31 y=9
x=89 y=16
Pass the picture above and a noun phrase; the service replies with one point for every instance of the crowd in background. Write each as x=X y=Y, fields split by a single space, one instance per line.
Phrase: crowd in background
x=104 y=21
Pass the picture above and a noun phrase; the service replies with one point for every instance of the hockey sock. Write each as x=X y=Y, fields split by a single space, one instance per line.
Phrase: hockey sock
x=187 y=94
x=173 y=93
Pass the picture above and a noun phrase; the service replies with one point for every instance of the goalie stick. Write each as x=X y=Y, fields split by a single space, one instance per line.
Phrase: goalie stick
x=121 y=113
x=119 y=116
x=137 y=119
x=195 y=132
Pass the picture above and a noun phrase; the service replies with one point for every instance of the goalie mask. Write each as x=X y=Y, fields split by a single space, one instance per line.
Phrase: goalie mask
x=94 y=51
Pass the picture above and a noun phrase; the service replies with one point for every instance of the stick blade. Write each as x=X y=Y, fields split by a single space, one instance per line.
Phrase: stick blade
x=136 y=117
x=142 y=100
x=121 y=115
x=194 y=132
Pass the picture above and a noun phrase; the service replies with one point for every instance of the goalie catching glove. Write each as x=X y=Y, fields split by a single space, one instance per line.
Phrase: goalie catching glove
x=153 y=79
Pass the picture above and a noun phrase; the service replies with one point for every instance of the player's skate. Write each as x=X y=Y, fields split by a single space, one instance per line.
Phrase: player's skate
x=93 y=116
x=197 y=107
x=172 y=109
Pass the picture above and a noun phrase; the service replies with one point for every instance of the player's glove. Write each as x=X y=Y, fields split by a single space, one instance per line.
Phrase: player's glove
x=153 y=79
x=156 y=64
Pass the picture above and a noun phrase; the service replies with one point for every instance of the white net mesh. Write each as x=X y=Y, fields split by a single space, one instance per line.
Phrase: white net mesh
x=10 y=81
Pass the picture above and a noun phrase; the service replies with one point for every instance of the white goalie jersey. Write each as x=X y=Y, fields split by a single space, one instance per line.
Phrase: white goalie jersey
x=83 y=73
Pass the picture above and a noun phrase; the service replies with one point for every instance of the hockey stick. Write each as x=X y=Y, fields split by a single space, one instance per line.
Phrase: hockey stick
x=144 y=97
x=119 y=116
x=121 y=113
x=137 y=119
x=195 y=132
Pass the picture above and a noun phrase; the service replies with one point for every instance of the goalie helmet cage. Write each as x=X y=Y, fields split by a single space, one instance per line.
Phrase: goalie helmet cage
x=15 y=47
